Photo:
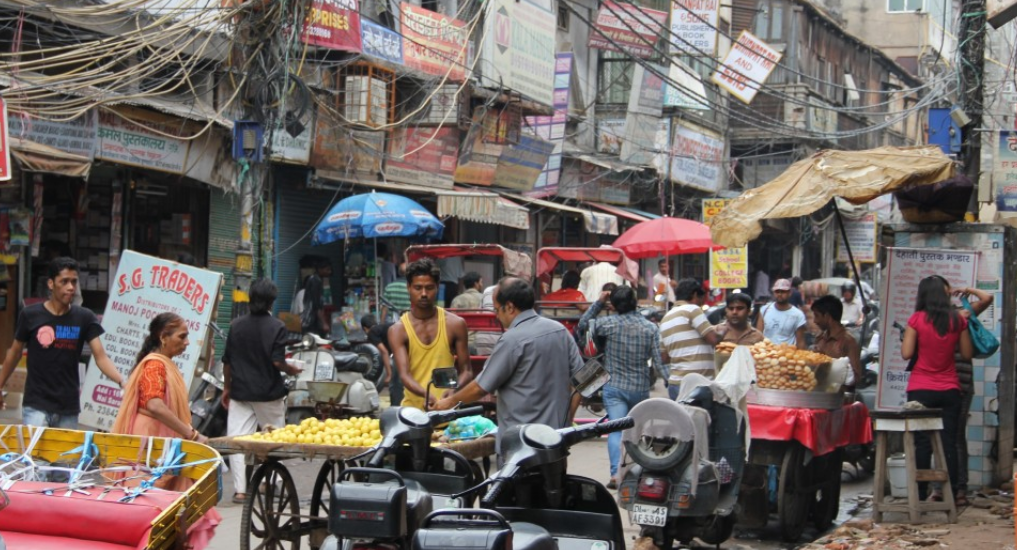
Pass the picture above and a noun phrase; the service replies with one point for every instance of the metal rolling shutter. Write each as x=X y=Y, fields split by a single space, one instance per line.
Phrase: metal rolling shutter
x=223 y=240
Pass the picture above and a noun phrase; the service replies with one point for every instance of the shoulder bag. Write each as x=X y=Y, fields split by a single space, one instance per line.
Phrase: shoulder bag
x=984 y=342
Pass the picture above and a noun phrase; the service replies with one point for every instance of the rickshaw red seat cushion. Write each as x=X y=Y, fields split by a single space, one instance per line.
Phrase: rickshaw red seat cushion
x=88 y=523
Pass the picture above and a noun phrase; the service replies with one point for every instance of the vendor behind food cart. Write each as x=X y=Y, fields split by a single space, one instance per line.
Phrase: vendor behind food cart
x=834 y=339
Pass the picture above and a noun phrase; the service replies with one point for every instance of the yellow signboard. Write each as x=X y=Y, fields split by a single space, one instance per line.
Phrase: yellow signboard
x=729 y=268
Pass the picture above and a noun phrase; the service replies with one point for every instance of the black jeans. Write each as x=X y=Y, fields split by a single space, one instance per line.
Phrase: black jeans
x=950 y=403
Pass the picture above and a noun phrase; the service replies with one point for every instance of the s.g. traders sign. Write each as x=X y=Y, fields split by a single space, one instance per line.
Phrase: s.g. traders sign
x=144 y=287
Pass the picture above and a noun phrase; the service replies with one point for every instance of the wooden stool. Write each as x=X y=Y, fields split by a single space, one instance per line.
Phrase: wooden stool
x=909 y=422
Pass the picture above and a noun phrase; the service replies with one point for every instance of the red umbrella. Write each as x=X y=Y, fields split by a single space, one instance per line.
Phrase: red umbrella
x=665 y=237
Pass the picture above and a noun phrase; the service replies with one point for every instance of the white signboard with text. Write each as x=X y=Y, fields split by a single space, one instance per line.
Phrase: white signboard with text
x=746 y=67
x=861 y=234
x=905 y=268
x=694 y=27
x=144 y=287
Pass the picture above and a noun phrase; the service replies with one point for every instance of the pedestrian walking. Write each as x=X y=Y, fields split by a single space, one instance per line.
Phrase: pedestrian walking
x=781 y=322
x=312 y=316
x=687 y=337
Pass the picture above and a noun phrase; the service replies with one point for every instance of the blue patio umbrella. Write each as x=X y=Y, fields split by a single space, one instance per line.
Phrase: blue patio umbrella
x=374 y=215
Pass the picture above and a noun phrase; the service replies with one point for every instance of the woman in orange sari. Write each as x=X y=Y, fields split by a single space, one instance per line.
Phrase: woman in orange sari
x=155 y=405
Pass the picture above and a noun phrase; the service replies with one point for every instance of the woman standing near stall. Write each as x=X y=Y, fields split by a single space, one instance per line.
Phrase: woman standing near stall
x=934 y=332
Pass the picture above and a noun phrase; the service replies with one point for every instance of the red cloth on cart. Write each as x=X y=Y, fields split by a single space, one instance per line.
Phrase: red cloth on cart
x=820 y=430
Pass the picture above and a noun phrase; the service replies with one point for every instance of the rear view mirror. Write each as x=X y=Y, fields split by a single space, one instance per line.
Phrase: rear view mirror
x=446 y=378
x=589 y=379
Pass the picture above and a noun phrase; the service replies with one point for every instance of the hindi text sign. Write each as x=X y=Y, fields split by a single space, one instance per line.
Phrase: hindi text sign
x=627 y=28
x=861 y=235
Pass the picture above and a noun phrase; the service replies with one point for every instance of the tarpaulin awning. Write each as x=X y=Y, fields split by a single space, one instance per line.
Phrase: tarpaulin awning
x=808 y=185
x=602 y=224
x=36 y=157
x=514 y=263
x=620 y=212
x=548 y=259
x=482 y=207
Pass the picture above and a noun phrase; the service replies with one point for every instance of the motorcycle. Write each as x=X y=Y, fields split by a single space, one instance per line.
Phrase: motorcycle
x=208 y=415
x=532 y=502
x=688 y=457
x=378 y=507
x=321 y=362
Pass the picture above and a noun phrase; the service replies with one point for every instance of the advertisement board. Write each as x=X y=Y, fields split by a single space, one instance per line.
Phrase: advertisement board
x=862 y=238
x=520 y=164
x=552 y=128
x=628 y=28
x=125 y=142
x=434 y=43
x=521 y=46
x=381 y=43
x=76 y=136
x=1004 y=172
x=5 y=151
x=746 y=67
x=729 y=268
x=333 y=24
x=697 y=157
x=423 y=156
x=694 y=27
x=144 y=287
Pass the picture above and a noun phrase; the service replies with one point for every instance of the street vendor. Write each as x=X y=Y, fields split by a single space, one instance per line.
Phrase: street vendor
x=834 y=340
x=54 y=332
x=427 y=337
x=736 y=327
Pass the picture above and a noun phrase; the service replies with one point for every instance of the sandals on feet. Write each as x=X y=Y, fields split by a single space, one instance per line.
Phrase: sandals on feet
x=239 y=498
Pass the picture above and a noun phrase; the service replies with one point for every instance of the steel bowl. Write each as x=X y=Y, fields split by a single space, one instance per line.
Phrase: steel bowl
x=324 y=392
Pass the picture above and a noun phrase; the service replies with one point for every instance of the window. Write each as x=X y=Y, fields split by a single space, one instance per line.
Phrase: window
x=615 y=77
x=563 y=18
x=770 y=20
x=902 y=6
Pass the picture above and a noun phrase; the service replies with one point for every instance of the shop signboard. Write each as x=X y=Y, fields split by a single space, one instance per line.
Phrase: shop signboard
x=333 y=24
x=342 y=150
x=489 y=133
x=434 y=43
x=552 y=128
x=588 y=182
x=690 y=92
x=147 y=144
x=746 y=67
x=144 y=287
x=296 y=149
x=76 y=136
x=628 y=28
x=5 y=151
x=694 y=27
x=520 y=164
x=697 y=157
x=381 y=43
x=861 y=234
x=520 y=47
x=423 y=156
x=905 y=268
x=1004 y=173
x=729 y=268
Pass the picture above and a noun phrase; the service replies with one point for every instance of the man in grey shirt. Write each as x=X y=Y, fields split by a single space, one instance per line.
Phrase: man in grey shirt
x=530 y=367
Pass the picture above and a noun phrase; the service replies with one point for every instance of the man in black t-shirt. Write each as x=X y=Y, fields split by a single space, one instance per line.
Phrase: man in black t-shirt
x=377 y=334
x=55 y=332
x=252 y=368
x=313 y=318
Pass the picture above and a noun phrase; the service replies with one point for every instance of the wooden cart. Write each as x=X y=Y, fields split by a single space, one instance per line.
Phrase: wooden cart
x=272 y=511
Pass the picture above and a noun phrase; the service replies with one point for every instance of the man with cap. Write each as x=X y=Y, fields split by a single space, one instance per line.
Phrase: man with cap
x=781 y=322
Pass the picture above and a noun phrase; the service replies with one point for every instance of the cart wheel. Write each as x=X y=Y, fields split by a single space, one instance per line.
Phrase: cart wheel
x=328 y=475
x=792 y=501
x=265 y=516
x=827 y=498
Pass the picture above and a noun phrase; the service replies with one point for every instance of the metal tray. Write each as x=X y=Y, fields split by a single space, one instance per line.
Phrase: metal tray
x=795 y=399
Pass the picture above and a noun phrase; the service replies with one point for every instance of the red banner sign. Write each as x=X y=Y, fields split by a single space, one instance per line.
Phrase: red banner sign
x=333 y=24
x=635 y=30
x=434 y=43
x=5 y=152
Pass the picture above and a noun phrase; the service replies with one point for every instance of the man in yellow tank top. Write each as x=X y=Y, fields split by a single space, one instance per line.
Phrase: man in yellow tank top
x=427 y=337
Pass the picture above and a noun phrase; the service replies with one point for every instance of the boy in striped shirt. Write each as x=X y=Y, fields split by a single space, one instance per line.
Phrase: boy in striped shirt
x=687 y=337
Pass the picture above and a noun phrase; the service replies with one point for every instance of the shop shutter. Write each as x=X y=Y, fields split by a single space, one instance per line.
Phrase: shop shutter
x=223 y=240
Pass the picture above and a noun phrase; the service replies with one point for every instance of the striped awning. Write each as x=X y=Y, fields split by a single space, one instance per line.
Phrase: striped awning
x=595 y=222
x=482 y=207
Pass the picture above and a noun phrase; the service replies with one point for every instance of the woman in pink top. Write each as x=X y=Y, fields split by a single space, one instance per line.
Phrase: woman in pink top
x=934 y=331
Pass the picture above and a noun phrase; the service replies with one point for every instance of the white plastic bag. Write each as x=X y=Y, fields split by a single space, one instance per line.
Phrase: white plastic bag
x=736 y=379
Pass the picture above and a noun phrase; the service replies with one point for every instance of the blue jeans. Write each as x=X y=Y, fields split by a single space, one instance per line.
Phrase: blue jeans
x=672 y=390
x=618 y=403
x=35 y=417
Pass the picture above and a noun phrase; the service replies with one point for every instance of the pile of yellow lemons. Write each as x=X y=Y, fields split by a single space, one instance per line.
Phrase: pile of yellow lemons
x=348 y=432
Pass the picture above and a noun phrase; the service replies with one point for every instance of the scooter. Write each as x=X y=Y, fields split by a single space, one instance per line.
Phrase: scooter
x=688 y=458
x=864 y=456
x=405 y=478
x=322 y=363
x=208 y=415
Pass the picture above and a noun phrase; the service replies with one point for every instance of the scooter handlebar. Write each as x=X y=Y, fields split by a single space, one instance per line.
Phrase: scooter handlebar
x=493 y=491
x=575 y=435
x=441 y=417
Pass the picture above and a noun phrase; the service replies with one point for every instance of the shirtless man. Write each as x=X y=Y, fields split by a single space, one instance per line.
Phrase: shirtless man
x=427 y=337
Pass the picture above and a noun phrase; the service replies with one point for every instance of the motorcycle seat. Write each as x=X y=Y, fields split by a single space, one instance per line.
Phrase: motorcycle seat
x=529 y=536
x=347 y=361
x=418 y=504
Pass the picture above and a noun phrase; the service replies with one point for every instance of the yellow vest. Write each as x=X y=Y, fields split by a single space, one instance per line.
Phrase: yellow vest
x=424 y=359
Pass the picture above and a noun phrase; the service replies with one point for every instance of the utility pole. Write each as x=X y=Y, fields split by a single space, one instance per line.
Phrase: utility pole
x=972 y=38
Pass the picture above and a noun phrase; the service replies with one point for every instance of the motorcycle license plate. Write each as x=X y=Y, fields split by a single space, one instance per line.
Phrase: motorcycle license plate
x=642 y=514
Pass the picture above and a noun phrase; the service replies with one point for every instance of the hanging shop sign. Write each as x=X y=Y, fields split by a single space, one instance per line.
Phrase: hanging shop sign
x=589 y=182
x=689 y=92
x=381 y=42
x=489 y=133
x=628 y=28
x=729 y=267
x=284 y=147
x=643 y=116
x=333 y=24
x=520 y=164
x=423 y=156
x=5 y=152
x=141 y=138
x=520 y=46
x=144 y=287
x=694 y=27
x=552 y=128
x=649 y=138
x=861 y=237
x=905 y=268
x=647 y=93
x=746 y=67
x=339 y=149
x=697 y=157
x=1004 y=173
x=77 y=136
x=434 y=43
